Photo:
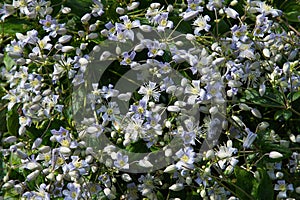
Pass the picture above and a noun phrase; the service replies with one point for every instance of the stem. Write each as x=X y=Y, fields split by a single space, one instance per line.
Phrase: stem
x=174 y=29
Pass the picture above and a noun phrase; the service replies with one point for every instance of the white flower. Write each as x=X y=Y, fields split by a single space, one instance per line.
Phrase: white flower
x=201 y=24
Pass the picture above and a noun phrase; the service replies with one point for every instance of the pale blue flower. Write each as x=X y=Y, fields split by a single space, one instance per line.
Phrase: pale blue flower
x=121 y=161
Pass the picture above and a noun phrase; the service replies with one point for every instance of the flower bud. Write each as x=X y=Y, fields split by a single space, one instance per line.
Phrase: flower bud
x=65 y=150
x=109 y=193
x=190 y=15
x=33 y=175
x=37 y=143
x=263 y=125
x=233 y=3
x=44 y=149
x=133 y=5
x=275 y=154
x=190 y=37
x=286 y=68
x=21 y=154
x=279 y=175
x=146 y=28
x=85 y=18
x=170 y=169
x=154 y=5
x=244 y=106
x=8 y=185
x=256 y=112
x=188 y=180
x=231 y=13
x=120 y=10
x=96 y=48
x=64 y=39
x=262 y=89
x=297 y=190
x=126 y=177
x=66 y=10
x=92 y=36
x=19 y=188
x=66 y=49
x=176 y=187
x=173 y=109
x=170 y=8
x=266 y=53
x=10 y=139
x=59 y=177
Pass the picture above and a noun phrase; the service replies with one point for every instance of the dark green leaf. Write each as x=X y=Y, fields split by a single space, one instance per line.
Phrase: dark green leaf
x=137 y=147
x=278 y=114
x=79 y=6
x=287 y=114
x=244 y=182
x=160 y=196
x=265 y=189
x=12 y=121
x=295 y=96
x=272 y=98
x=293 y=16
x=14 y=25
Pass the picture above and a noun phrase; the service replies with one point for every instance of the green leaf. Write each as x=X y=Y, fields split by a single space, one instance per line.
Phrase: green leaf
x=286 y=114
x=160 y=196
x=13 y=25
x=278 y=114
x=272 y=98
x=8 y=62
x=292 y=16
x=245 y=181
x=12 y=121
x=79 y=6
x=137 y=147
x=265 y=188
x=295 y=96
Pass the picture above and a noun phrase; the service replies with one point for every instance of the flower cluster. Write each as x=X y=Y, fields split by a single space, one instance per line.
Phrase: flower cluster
x=143 y=100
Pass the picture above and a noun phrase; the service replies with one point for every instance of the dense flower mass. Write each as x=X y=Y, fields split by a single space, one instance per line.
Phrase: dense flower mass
x=130 y=100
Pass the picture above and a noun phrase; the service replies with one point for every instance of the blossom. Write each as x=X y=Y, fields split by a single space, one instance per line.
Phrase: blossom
x=121 y=161
x=163 y=22
x=194 y=5
x=195 y=92
x=155 y=48
x=73 y=192
x=186 y=156
x=128 y=58
x=283 y=188
x=149 y=90
x=110 y=111
x=201 y=24
x=48 y=23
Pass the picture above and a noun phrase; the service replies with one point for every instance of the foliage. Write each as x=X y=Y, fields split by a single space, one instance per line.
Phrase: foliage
x=174 y=99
